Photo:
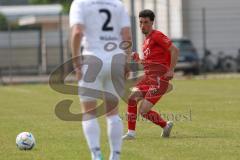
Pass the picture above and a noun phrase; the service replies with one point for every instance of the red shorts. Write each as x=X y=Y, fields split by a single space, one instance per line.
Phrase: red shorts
x=152 y=88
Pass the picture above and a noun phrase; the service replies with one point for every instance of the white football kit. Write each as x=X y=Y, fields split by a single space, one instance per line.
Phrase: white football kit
x=103 y=21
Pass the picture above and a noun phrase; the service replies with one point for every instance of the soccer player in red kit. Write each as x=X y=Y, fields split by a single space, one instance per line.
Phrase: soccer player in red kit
x=160 y=58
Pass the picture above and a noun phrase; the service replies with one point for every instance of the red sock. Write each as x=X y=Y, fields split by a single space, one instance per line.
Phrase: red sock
x=155 y=118
x=132 y=114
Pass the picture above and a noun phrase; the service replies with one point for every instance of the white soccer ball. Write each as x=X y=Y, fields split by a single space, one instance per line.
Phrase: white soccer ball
x=25 y=141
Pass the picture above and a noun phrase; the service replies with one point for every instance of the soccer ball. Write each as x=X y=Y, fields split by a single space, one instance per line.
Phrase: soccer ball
x=25 y=141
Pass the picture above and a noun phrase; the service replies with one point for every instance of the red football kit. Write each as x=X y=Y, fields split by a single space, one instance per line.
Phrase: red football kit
x=157 y=59
x=153 y=85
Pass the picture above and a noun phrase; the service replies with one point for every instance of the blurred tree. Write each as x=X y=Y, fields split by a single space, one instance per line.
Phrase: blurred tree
x=3 y=22
x=66 y=3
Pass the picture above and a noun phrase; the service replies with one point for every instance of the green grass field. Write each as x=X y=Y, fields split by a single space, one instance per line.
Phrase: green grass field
x=206 y=114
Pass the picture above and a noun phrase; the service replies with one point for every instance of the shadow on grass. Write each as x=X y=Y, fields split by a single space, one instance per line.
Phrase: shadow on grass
x=176 y=136
x=191 y=137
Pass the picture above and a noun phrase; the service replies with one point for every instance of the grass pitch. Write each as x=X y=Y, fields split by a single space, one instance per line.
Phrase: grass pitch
x=206 y=114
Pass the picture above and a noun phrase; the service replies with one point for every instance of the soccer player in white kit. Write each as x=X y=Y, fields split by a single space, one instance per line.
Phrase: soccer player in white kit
x=100 y=22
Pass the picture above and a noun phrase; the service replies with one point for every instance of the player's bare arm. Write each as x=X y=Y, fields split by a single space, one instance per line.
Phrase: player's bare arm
x=126 y=36
x=76 y=38
x=174 y=51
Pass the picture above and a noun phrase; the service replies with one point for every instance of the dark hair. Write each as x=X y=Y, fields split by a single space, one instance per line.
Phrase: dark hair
x=147 y=13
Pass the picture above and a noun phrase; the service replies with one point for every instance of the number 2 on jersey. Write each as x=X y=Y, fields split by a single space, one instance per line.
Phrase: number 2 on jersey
x=106 y=26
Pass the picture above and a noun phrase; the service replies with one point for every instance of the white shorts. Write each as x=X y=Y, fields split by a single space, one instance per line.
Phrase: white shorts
x=102 y=76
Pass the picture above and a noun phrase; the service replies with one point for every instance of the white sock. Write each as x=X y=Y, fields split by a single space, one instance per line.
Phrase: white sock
x=91 y=132
x=115 y=132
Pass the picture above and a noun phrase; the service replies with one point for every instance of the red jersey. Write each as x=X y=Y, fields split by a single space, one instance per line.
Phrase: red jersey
x=156 y=52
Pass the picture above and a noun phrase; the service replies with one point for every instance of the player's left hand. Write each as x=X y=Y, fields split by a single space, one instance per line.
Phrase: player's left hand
x=135 y=56
x=169 y=75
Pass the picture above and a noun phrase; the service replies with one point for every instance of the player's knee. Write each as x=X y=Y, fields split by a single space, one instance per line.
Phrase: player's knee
x=114 y=119
x=111 y=111
x=134 y=98
x=143 y=110
x=145 y=107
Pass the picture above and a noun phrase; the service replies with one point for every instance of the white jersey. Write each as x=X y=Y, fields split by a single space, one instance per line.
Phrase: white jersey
x=102 y=21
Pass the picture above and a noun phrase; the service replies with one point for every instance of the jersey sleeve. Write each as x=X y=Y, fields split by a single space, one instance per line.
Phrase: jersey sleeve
x=125 y=20
x=76 y=13
x=162 y=40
